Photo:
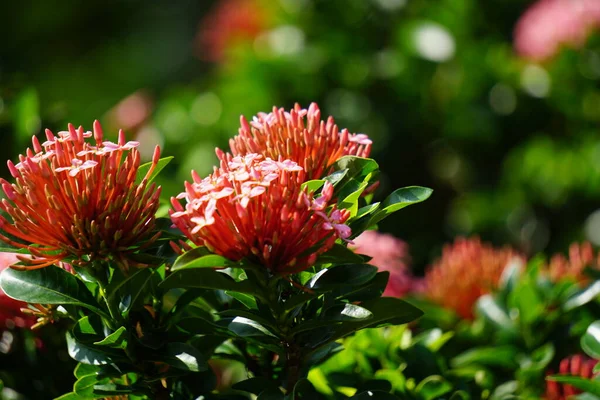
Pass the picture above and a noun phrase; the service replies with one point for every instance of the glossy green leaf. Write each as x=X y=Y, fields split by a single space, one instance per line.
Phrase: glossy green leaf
x=245 y=299
x=130 y=291
x=433 y=387
x=88 y=329
x=587 y=385
x=183 y=356
x=313 y=185
x=487 y=307
x=340 y=254
x=50 y=285
x=88 y=355
x=144 y=168
x=385 y=310
x=84 y=387
x=502 y=356
x=347 y=312
x=344 y=275
x=245 y=327
x=85 y=369
x=399 y=199
x=590 y=341
x=206 y=278
x=118 y=339
x=200 y=257
x=583 y=297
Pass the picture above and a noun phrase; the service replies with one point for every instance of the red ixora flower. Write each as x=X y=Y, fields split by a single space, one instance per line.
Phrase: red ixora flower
x=301 y=136
x=578 y=365
x=77 y=202
x=581 y=256
x=254 y=207
x=467 y=270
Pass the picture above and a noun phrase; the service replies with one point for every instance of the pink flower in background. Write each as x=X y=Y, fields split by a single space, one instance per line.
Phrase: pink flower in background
x=389 y=254
x=549 y=24
x=229 y=22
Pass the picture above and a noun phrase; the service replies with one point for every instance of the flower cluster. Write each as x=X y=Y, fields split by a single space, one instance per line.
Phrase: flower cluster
x=301 y=136
x=580 y=257
x=389 y=253
x=255 y=207
x=578 y=365
x=467 y=270
x=77 y=202
x=548 y=24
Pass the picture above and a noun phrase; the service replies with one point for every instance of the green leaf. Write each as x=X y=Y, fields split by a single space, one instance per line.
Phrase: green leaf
x=144 y=168
x=587 y=385
x=50 y=285
x=245 y=299
x=130 y=291
x=313 y=185
x=85 y=369
x=489 y=308
x=206 y=278
x=399 y=199
x=433 y=387
x=502 y=356
x=245 y=327
x=385 y=310
x=347 y=312
x=339 y=254
x=298 y=300
x=582 y=297
x=88 y=329
x=590 y=341
x=305 y=390
x=88 y=355
x=343 y=275
x=200 y=257
x=84 y=387
x=118 y=339
x=183 y=356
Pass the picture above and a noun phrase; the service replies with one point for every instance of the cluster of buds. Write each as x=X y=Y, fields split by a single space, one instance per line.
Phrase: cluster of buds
x=581 y=256
x=301 y=136
x=78 y=202
x=255 y=207
x=467 y=270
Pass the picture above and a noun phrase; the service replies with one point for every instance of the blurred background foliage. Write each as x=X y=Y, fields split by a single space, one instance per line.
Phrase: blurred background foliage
x=509 y=141
x=510 y=145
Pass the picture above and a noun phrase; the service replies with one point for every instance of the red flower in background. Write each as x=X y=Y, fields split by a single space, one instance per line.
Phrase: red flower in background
x=580 y=257
x=301 y=136
x=549 y=24
x=254 y=207
x=389 y=254
x=77 y=202
x=10 y=309
x=230 y=22
x=578 y=365
x=467 y=270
